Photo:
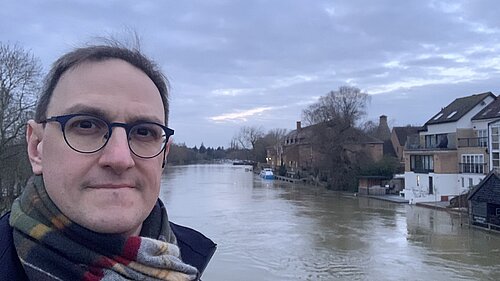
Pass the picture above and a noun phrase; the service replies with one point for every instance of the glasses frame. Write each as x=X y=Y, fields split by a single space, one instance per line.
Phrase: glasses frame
x=63 y=119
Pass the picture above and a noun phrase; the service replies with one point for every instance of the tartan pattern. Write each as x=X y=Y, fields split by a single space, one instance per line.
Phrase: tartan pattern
x=52 y=247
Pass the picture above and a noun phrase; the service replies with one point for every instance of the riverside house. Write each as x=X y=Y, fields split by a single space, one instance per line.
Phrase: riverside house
x=450 y=154
x=484 y=202
x=300 y=152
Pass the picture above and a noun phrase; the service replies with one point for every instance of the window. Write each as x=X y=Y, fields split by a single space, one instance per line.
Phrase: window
x=438 y=116
x=483 y=138
x=463 y=182
x=422 y=163
x=436 y=141
x=451 y=114
x=486 y=112
x=494 y=138
x=470 y=182
x=496 y=160
x=430 y=141
x=472 y=163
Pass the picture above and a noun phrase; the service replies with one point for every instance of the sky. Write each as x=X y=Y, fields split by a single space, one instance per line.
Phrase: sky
x=259 y=63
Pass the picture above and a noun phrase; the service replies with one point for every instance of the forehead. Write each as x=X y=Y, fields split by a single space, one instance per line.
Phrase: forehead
x=112 y=86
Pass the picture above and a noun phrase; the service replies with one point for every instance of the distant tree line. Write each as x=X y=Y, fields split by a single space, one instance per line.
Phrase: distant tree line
x=250 y=143
x=180 y=154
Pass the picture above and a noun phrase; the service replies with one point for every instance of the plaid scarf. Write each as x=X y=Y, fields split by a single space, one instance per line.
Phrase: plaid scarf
x=52 y=247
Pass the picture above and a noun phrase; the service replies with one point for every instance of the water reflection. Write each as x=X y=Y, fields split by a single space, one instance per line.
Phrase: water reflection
x=269 y=230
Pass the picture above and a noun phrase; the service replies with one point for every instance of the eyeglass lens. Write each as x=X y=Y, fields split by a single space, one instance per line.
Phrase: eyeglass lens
x=89 y=134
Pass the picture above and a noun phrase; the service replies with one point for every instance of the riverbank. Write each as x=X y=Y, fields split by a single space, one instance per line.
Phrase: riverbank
x=443 y=206
x=389 y=197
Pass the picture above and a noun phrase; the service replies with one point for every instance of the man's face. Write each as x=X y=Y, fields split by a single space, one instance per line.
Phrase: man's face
x=111 y=190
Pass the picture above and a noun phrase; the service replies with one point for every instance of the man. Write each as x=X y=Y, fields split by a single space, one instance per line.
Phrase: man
x=97 y=148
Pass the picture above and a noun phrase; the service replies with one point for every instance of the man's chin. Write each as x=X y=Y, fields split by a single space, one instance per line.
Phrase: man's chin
x=125 y=227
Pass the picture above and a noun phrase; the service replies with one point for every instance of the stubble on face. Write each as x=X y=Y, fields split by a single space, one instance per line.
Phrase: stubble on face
x=112 y=190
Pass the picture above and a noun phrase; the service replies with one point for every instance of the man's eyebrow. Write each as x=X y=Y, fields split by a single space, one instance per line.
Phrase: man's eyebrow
x=85 y=109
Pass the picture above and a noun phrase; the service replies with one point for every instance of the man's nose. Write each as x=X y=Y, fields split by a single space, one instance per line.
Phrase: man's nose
x=116 y=154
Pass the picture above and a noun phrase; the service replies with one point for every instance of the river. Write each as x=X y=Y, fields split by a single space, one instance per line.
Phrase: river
x=271 y=231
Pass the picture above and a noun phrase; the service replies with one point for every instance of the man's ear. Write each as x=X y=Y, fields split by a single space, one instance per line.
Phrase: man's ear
x=34 y=137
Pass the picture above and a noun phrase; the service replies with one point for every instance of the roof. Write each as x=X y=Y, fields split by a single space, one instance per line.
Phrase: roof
x=458 y=108
x=388 y=149
x=402 y=133
x=491 y=111
x=356 y=135
x=480 y=185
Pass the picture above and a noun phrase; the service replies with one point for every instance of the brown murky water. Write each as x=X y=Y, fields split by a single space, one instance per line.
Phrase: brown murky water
x=270 y=230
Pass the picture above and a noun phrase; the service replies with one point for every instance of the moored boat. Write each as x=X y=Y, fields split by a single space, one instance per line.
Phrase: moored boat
x=267 y=173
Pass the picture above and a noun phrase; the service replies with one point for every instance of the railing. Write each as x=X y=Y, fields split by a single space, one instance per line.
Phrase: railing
x=417 y=146
x=415 y=143
x=473 y=168
x=473 y=142
x=422 y=170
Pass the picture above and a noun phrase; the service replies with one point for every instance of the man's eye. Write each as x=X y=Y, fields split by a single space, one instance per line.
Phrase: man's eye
x=85 y=124
x=147 y=132
x=144 y=132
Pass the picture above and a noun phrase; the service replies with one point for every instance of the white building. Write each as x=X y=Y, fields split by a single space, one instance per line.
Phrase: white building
x=451 y=153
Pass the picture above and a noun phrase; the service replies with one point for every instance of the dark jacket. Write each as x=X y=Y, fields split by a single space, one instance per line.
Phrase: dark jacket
x=196 y=250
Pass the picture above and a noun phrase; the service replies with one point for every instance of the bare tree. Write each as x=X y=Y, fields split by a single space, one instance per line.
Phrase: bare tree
x=271 y=140
x=248 y=140
x=274 y=139
x=248 y=136
x=20 y=74
x=347 y=105
x=370 y=127
x=333 y=119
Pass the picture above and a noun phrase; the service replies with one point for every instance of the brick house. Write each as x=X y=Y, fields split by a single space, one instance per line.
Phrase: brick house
x=300 y=153
x=399 y=138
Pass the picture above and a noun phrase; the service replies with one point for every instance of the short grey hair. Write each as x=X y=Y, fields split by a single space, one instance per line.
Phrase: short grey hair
x=98 y=53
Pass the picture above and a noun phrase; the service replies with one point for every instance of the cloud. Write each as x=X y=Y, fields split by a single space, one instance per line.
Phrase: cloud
x=234 y=61
x=290 y=81
x=233 y=92
x=240 y=115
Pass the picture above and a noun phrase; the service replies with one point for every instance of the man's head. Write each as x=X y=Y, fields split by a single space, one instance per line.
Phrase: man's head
x=114 y=188
x=96 y=54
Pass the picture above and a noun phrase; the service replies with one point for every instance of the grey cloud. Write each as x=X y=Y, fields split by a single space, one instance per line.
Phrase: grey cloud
x=269 y=48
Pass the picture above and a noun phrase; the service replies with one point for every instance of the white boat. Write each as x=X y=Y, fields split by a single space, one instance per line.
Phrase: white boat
x=267 y=173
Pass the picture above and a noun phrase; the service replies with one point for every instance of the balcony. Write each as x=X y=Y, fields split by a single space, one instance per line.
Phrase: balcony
x=473 y=142
x=420 y=170
x=473 y=168
x=432 y=143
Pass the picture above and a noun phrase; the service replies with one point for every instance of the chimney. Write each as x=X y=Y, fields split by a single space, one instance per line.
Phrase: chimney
x=383 y=120
x=383 y=131
x=299 y=126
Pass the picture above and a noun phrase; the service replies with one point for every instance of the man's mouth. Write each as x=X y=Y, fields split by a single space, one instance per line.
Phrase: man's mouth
x=111 y=186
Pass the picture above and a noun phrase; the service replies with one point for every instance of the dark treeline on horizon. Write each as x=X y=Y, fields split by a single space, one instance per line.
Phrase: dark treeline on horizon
x=180 y=154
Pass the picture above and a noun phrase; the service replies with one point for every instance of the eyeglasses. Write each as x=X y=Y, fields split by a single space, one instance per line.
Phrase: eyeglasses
x=86 y=133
